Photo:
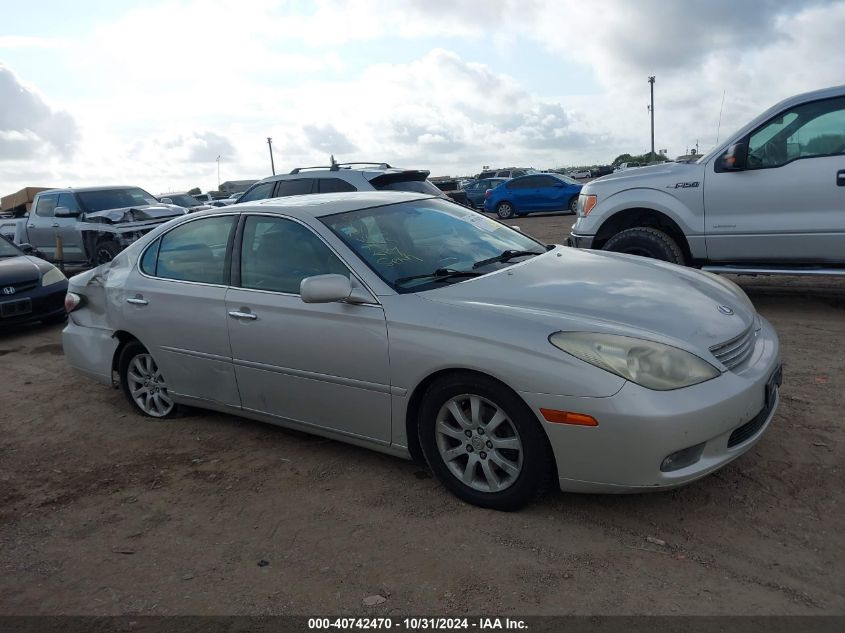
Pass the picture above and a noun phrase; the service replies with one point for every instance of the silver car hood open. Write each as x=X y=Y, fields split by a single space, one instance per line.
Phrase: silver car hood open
x=572 y=289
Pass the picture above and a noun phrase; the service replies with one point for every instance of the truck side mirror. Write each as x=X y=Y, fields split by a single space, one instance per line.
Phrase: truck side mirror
x=166 y=201
x=734 y=159
x=64 y=212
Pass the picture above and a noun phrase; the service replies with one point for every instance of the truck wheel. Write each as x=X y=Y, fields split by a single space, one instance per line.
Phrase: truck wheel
x=646 y=242
x=105 y=251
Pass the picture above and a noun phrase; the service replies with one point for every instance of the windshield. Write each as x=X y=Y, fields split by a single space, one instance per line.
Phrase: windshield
x=7 y=250
x=182 y=199
x=103 y=199
x=404 y=240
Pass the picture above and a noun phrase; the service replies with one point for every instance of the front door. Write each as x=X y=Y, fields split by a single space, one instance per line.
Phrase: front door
x=789 y=203
x=41 y=225
x=68 y=229
x=322 y=365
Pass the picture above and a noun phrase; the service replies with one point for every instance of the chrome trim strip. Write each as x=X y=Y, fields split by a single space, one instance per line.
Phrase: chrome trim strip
x=310 y=375
x=195 y=354
x=750 y=270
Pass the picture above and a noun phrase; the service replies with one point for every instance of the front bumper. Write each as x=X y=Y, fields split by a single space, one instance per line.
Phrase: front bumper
x=638 y=428
x=45 y=302
x=580 y=241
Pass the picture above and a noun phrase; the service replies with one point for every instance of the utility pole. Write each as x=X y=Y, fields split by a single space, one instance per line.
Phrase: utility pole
x=270 y=145
x=218 y=172
x=651 y=108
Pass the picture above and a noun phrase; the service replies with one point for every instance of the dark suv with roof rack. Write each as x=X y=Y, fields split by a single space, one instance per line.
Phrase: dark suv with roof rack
x=340 y=177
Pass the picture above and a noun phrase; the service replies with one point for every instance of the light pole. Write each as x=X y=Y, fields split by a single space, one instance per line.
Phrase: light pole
x=270 y=145
x=218 y=172
x=651 y=108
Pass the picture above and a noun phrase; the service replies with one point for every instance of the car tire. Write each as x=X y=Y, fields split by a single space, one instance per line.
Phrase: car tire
x=573 y=205
x=505 y=210
x=512 y=462
x=142 y=383
x=105 y=251
x=646 y=242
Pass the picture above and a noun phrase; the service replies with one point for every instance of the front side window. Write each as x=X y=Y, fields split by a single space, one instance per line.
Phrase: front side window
x=277 y=254
x=46 y=206
x=68 y=201
x=260 y=191
x=808 y=130
x=409 y=239
x=193 y=251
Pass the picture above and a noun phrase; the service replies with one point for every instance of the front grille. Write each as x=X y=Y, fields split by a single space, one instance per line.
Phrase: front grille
x=21 y=286
x=733 y=352
x=750 y=429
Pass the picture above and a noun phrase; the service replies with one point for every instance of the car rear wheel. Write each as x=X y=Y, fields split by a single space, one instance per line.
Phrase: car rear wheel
x=646 y=242
x=143 y=383
x=505 y=210
x=483 y=443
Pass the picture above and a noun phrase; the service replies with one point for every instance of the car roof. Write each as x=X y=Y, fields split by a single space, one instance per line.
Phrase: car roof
x=321 y=204
x=309 y=172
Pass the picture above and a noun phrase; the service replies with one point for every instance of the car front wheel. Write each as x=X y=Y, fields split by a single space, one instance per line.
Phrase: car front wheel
x=483 y=442
x=143 y=383
x=646 y=242
x=505 y=210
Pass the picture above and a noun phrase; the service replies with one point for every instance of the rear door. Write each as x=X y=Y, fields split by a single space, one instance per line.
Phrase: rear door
x=525 y=193
x=789 y=204
x=175 y=305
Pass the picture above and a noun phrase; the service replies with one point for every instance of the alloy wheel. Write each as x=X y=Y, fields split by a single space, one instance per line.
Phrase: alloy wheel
x=478 y=443
x=147 y=387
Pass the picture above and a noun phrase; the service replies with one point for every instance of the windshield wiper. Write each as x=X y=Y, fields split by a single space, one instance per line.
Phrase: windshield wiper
x=441 y=274
x=503 y=257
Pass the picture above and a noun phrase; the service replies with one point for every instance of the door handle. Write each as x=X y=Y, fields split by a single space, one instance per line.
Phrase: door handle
x=55 y=226
x=137 y=300
x=840 y=178
x=30 y=226
x=237 y=314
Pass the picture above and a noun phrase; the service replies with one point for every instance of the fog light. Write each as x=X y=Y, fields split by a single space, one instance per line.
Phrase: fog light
x=683 y=458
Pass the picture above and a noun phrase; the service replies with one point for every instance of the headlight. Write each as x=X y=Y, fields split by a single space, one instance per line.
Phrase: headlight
x=652 y=365
x=52 y=276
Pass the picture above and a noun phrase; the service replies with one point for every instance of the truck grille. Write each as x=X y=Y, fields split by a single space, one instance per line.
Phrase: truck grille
x=733 y=352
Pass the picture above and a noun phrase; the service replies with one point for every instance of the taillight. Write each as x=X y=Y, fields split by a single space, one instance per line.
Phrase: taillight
x=487 y=193
x=72 y=302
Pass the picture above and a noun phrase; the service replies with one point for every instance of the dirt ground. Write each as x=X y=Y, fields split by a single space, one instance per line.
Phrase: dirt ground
x=104 y=512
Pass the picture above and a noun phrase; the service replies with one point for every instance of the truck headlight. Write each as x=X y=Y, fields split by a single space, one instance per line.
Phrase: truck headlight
x=52 y=276
x=649 y=364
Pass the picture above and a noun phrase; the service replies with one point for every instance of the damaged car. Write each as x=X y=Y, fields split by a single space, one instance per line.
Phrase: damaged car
x=94 y=223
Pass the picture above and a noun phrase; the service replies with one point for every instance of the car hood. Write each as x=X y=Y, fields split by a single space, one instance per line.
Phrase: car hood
x=594 y=291
x=665 y=174
x=138 y=213
x=18 y=270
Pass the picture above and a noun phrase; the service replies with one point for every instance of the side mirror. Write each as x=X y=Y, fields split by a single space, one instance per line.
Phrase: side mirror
x=734 y=159
x=166 y=201
x=64 y=212
x=29 y=249
x=331 y=288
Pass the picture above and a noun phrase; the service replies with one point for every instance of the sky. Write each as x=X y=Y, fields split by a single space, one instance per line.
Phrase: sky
x=150 y=93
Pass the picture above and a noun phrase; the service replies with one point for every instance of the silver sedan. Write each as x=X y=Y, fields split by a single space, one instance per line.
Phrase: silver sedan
x=416 y=327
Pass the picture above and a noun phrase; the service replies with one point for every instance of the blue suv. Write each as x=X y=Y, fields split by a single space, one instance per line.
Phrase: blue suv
x=535 y=192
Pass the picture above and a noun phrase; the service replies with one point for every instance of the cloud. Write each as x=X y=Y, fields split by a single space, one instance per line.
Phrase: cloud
x=28 y=125
x=328 y=140
x=205 y=147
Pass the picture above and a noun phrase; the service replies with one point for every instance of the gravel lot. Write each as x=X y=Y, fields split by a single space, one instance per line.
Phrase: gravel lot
x=105 y=512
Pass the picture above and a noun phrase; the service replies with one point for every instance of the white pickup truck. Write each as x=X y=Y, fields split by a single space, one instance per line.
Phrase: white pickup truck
x=770 y=199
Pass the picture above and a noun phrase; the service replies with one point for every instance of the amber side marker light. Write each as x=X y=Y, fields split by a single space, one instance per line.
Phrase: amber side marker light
x=589 y=203
x=567 y=417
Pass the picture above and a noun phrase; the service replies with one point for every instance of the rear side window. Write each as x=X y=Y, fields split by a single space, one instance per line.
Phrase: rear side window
x=260 y=191
x=297 y=187
x=334 y=185
x=194 y=251
x=46 y=206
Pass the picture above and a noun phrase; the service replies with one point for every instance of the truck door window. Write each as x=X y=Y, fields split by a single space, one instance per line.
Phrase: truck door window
x=68 y=201
x=46 y=206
